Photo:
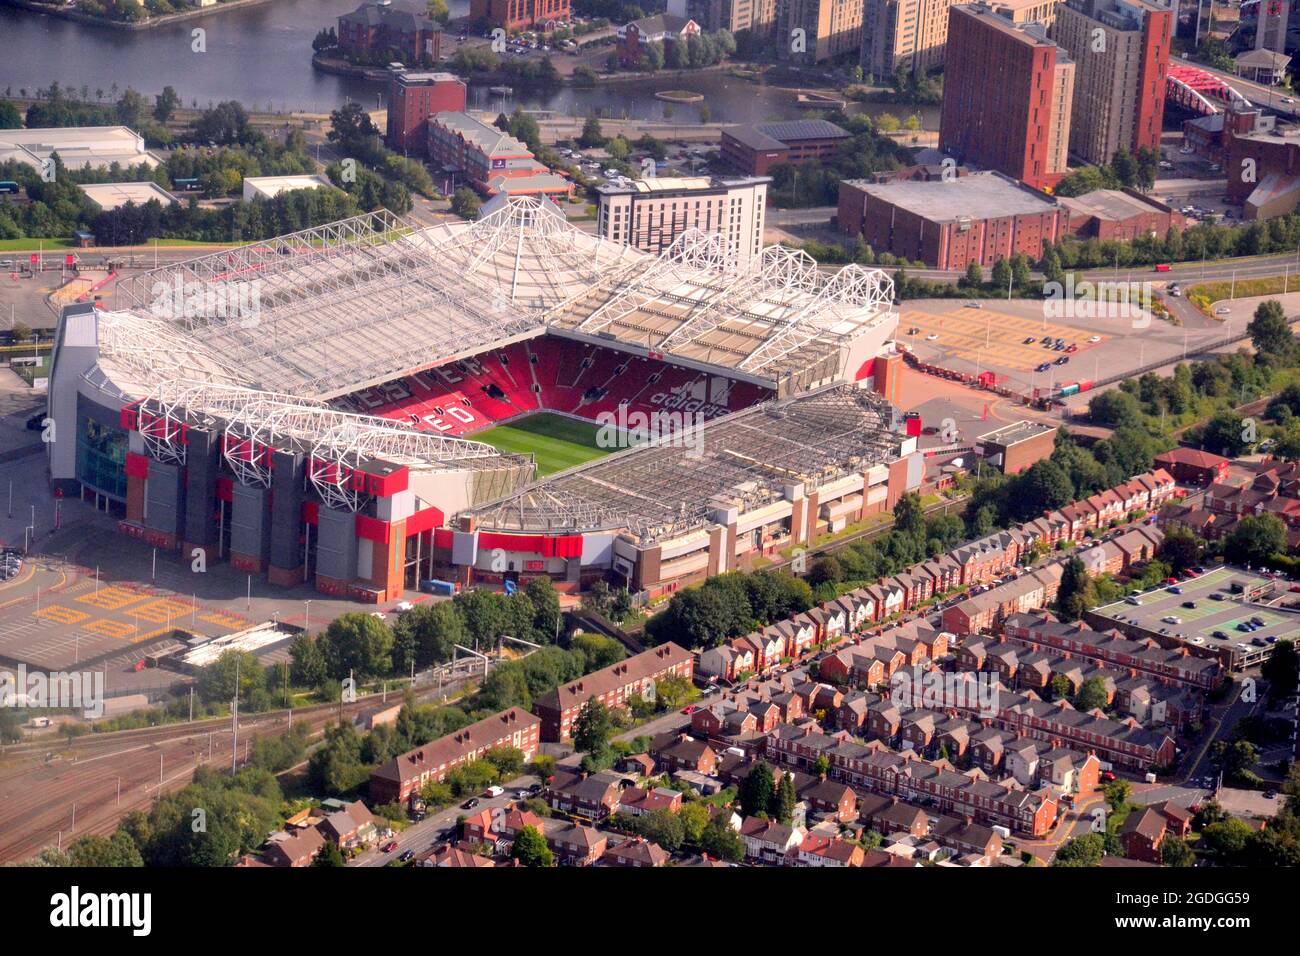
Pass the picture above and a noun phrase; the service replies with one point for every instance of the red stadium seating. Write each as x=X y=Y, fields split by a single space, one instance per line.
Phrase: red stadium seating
x=548 y=373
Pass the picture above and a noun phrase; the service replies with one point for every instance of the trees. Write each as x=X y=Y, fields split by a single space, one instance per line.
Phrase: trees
x=437 y=10
x=783 y=804
x=1086 y=850
x=757 y=790
x=591 y=136
x=1043 y=487
x=426 y=635
x=593 y=728
x=1269 y=330
x=1075 y=593
x=1174 y=851
x=1091 y=696
x=307 y=664
x=1280 y=670
x=356 y=645
x=1181 y=548
x=546 y=607
x=719 y=840
x=465 y=202
x=1226 y=434
x=530 y=848
x=165 y=104
x=1254 y=540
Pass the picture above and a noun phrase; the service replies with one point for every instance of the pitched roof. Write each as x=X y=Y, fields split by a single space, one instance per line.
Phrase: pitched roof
x=635 y=668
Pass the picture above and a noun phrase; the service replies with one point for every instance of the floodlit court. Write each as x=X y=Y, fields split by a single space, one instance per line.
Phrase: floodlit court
x=557 y=442
x=1222 y=600
x=963 y=333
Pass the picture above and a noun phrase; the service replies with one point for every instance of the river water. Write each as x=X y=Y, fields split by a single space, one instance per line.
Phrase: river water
x=261 y=56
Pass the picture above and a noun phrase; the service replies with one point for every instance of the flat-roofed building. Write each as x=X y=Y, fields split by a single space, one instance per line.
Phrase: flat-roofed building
x=949 y=224
x=1013 y=448
x=78 y=147
x=109 y=196
x=414 y=96
x=651 y=213
x=1121 y=214
x=754 y=150
x=268 y=187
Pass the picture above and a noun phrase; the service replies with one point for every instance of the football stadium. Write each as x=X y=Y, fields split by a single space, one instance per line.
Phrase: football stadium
x=369 y=405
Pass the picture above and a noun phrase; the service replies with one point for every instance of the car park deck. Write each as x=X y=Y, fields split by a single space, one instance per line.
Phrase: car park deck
x=1197 y=627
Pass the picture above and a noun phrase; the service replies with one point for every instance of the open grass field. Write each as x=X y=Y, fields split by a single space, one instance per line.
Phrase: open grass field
x=556 y=441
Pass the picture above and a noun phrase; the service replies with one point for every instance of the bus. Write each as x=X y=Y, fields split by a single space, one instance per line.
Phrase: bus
x=189 y=185
x=8 y=186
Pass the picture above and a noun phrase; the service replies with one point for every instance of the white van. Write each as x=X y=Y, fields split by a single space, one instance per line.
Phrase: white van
x=493 y=791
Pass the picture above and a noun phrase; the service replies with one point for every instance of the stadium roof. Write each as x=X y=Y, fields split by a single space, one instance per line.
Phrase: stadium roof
x=265 y=334
x=670 y=487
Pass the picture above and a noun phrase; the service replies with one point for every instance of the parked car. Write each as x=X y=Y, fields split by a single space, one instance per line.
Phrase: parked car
x=389 y=847
x=470 y=804
x=406 y=856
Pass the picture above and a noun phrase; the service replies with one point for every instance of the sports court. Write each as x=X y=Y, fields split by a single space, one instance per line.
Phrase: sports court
x=557 y=442
x=963 y=333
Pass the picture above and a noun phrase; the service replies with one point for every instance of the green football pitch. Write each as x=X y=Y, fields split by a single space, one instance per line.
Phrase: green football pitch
x=556 y=441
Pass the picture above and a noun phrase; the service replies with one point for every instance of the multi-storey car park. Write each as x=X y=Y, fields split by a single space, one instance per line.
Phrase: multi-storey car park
x=306 y=406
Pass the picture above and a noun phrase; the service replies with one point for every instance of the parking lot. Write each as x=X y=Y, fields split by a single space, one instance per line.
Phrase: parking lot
x=994 y=337
x=1232 y=628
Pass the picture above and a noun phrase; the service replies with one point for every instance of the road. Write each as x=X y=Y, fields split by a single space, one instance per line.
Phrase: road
x=418 y=837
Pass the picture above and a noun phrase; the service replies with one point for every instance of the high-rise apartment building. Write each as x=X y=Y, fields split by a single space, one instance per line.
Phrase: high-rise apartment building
x=904 y=34
x=1007 y=96
x=651 y=213
x=1121 y=54
x=736 y=16
x=829 y=28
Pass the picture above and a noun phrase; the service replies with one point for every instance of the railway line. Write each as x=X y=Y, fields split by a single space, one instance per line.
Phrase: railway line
x=52 y=794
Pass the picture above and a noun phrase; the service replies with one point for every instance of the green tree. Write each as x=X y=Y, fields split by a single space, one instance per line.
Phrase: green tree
x=437 y=10
x=329 y=855
x=166 y=104
x=1254 y=540
x=530 y=848
x=719 y=840
x=307 y=664
x=757 y=790
x=1181 y=549
x=1086 y=850
x=1269 y=331
x=465 y=202
x=1074 y=596
x=591 y=136
x=356 y=645
x=1174 y=851
x=783 y=808
x=1092 y=695
x=593 y=728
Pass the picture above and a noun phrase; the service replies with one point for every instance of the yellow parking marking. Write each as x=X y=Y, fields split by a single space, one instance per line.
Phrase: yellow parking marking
x=222 y=618
x=61 y=614
x=989 y=337
x=160 y=610
x=111 y=598
x=118 y=629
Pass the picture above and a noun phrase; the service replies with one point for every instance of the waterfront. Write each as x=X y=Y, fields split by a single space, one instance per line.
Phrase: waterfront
x=261 y=56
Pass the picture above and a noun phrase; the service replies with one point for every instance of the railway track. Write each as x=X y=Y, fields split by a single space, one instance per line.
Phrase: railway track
x=50 y=796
